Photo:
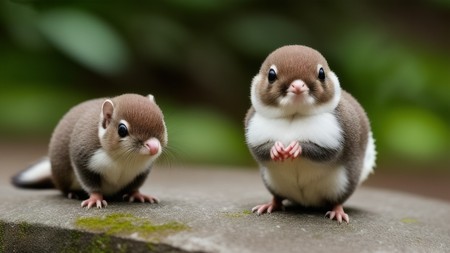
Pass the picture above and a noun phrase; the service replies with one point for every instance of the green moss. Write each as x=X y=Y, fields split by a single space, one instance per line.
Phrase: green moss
x=100 y=244
x=73 y=243
x=126 y=224
x=237 y=214
x=409 y=220
x=151 y=247
x=24 y=229
x=122 y=248
x=2 y=236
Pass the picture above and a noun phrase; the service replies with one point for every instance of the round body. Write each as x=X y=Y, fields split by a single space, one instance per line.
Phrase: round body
x=86 y=115
x=324 y=179
x=311 y=139
x=107 y=145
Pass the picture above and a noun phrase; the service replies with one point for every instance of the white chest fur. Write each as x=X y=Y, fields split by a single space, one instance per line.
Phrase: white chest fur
x=302 y=181
x=322 y=129
x=116 y=172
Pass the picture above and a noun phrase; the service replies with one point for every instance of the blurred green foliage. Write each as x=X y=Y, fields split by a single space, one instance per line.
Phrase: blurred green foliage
x=198 y=58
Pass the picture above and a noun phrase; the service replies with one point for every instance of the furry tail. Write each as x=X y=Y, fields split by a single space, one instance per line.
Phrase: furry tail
x=37 y=176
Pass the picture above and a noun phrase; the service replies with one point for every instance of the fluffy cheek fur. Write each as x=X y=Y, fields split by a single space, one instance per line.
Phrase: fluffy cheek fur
x=283 y=105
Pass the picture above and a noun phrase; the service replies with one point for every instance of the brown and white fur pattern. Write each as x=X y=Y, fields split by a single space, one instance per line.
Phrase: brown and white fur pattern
x=104 y=147
x=311 y=139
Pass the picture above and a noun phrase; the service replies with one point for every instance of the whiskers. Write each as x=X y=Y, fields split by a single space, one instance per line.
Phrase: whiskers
x=168 y=156
x=127 y=154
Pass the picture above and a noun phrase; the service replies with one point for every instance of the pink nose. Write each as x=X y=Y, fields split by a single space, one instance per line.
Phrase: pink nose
x=298 y=87
x=153 y=146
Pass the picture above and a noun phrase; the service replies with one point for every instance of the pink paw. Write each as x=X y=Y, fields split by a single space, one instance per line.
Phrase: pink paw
x=139 y=197
x=338 y=214
x=280 y=153
x=277 y=152
x=293 y=150
x=274 y=205
x=94 y=199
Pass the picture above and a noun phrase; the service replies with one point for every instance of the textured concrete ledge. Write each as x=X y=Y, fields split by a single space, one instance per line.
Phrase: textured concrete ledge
x=213 y=206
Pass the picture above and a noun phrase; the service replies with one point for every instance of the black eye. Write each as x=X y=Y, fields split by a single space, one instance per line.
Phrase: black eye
x=321 y=74
x=122 y=130
x=272 y=76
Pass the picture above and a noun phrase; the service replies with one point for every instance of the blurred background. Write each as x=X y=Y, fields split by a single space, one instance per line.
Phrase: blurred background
x=198 y=57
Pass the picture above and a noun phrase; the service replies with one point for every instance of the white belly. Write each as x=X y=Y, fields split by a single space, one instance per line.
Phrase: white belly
x=117 y=173
x=322 y=129
x=305 y=182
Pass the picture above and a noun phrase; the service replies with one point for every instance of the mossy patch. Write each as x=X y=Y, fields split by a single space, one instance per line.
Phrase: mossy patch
x=408 y=220
x=100 y=244
x=127 y=224
x=2 y=236
x=24 y=229
x=237 y=214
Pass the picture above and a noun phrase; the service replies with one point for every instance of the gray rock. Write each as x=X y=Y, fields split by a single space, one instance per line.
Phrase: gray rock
x=214 y=203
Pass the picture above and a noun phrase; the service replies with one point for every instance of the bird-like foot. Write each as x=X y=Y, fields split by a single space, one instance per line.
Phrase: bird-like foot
x=94 y=199
x=338 y=214
x=139 y=197
x=274 y=205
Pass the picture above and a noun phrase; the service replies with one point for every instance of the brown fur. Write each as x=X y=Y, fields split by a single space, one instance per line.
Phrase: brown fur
x=300 y=62
x=80 y=125
x=135 y=110
x=355 y=127
x=294 y=62
x=75 y=139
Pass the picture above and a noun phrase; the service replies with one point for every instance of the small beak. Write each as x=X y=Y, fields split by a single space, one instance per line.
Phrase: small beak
x=153 y=146
x=298 y=87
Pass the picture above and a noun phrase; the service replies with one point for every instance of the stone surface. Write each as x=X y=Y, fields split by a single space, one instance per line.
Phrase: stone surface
x=214 y=203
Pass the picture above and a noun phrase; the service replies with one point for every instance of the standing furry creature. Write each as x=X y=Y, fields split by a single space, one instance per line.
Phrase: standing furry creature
x=312 y=139
x=103 y=147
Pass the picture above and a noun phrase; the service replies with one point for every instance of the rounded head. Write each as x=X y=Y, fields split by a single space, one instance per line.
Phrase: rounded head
x=132 y=124
x=295 y=80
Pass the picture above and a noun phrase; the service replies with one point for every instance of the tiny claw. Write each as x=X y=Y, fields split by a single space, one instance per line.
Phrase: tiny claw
x=346 y=218
x=137 y=196
x=339 y=218
x=94 y=199
x=274 y=205
x=330 y=214
x=262 y=209
x=277 y=152
x=338 y=214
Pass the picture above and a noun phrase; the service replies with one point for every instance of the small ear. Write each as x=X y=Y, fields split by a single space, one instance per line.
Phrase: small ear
x=107 y=112
x=151 y=97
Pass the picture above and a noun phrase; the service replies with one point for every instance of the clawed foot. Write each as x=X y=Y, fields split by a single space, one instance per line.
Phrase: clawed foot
x=338 y=214
x=94 y=199
x=274 y=205
x=280 y=153
x=139 y=197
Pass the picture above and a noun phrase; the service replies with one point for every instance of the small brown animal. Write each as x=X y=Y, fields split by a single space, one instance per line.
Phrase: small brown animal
x=104 y=147
x=312 y=140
